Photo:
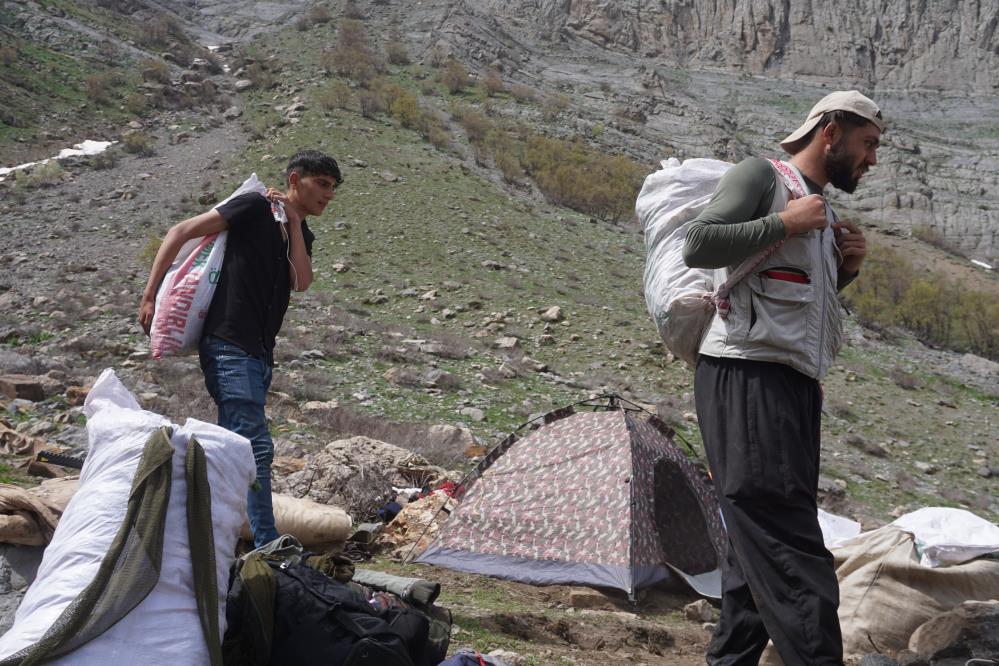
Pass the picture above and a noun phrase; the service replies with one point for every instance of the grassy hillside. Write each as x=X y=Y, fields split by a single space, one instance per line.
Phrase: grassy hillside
x=413 y=219
x=446 y=238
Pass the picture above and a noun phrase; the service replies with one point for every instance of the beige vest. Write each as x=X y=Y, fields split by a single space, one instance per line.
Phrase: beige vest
x=782 y=321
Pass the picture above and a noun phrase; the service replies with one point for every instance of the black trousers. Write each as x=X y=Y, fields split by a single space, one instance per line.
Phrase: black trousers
x=760 y=424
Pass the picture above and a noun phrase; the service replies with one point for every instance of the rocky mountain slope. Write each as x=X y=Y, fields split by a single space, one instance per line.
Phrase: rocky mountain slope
x=730 y=79
x=950 y=46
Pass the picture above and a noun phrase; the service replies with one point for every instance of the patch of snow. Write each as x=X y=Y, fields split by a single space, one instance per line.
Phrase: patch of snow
x=87 y=147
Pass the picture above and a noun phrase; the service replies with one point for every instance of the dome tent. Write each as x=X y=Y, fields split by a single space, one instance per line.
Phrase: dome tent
x=600 y=496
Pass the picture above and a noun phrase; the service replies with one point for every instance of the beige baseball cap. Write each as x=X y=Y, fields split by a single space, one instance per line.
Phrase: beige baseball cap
x=841 y=100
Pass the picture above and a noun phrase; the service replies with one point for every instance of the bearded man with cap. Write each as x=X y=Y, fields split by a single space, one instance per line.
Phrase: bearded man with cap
x=756 y=385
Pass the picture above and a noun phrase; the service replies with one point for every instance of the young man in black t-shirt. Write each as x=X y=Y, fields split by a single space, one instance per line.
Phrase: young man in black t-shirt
x=263 y=261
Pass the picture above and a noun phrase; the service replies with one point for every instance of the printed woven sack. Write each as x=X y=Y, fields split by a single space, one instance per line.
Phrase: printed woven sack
x=186 y=292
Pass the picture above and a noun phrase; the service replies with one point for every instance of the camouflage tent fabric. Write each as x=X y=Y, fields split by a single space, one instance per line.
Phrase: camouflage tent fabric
x=592 y=498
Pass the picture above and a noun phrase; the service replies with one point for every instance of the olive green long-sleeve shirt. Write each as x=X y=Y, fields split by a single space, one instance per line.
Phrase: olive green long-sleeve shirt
x=737 y=223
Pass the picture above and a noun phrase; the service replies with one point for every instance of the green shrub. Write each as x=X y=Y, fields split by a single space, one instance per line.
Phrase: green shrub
x=492 y=84
x=155 y=70
x=262 y=77
x=8 y=54
x=319 y=14
x=352 y=57
x=553 y=106
x=927 y=309
x=334 y=96
x=148 y=252
x=439 y=138
x=352 y=11
x=406 y=110
x=979 y=317
x=107 y=51
x=931 y=236
x=936 y=310
x=98 y=87
x=46 y=174
x=160 y=31
x=371 y=103
x=509 y=166
x=571 y=175
x=428 y=88
x=476 y=125
x=137 y=104
x=106 y=159
x=523 y=93
x=396 y=52
x=138 y=143
x=455 y=76
x=390 y=92
x=875 y=298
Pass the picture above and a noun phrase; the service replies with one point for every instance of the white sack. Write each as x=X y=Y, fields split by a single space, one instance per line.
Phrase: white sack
x=674 y=293
x=186 y=292
x=947 y=536
x=165 y=624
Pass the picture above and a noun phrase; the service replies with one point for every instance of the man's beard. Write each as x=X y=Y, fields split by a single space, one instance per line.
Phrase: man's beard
x=841 y=167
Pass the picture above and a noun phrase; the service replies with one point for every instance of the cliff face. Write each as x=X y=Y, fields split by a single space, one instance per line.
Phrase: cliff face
x=729 y=78
x=938 y=44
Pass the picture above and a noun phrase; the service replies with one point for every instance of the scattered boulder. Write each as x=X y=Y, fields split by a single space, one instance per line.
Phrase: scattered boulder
x=14 y=363
x=473 y=413
x=699 y=611
x=509 y=658
x=475 y=451
x=584 y=597
x=506 y=343
x=450 y=438
x=26 y=387
x=968 y=631
x=317 y=406
x=553 y=314
x=76 y=395
x=356 y=474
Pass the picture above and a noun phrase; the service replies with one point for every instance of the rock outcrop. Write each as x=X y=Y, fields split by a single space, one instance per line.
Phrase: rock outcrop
x=899 y=44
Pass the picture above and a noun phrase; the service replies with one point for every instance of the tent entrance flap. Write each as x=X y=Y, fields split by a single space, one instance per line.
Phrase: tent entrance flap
x=683 y=534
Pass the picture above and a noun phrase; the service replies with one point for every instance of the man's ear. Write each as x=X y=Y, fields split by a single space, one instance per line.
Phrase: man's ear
x=293 y=178
x=831 y=134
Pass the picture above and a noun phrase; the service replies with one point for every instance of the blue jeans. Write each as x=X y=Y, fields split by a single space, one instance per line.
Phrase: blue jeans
x=238 y=384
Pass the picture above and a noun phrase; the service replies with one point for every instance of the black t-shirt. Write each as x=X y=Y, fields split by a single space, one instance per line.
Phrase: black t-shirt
x=254 y=287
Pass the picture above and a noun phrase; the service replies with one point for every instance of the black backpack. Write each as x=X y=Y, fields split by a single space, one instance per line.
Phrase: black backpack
x=324 y=622
x=283 y=613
